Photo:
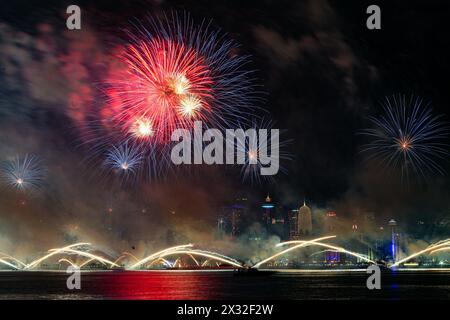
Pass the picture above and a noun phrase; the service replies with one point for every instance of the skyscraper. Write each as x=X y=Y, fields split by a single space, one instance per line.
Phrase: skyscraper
x=304 y=220
x=330 y=222
x=293 y=224
x=274 y=219
x=395 y=237
x=229 y=220
x=268 y=212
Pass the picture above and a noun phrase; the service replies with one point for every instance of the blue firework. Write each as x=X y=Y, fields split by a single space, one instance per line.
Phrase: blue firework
x=124 y=159
x=23 y=173
x=408 y=137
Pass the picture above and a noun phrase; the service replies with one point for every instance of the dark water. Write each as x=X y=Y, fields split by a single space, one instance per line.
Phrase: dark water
x=225 y=285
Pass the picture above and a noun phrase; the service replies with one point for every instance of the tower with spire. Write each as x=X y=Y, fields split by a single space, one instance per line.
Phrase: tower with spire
x=274 y=218
x=304 y=219
x=268 y=212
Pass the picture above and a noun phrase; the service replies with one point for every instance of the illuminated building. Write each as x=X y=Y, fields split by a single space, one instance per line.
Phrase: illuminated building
x=354 y=226
x=229 y=220
x=304 y=220
x=395 y=237
x=332 y=257
x=273 y=219
x=330 y=222
x=293 y=224
x=268 y=212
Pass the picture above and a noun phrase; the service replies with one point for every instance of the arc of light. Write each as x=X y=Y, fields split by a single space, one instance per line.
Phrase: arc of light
x=203 y=254
x=313 y=243
x=120 y=258
x=301 y=243
x=87 y=261
x=217 y=255
x=167 y=263
x=334 y=248
x=125 y=254
x=88 y=255
x=205 y=262
x=7 y=256
x=54 y=252
x=69 y=262
x=340 y=249
x=156 y=254
x=445 y=241
x=9 y=264
x=193 y=258
x=322 y=251
x=131 y=255
x=430 y=248
x=439 y=250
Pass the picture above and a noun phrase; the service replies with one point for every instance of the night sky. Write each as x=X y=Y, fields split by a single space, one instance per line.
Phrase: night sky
x=321 y=72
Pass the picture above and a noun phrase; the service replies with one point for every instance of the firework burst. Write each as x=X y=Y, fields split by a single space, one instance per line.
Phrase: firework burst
x=253 y=150
x=178 y=73
x=409 y=137
x=23 y=174
x=173 y=73
x=124 y=159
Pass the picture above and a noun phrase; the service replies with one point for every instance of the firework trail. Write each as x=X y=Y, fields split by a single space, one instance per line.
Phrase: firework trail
x=24 y=174
x=409 y=137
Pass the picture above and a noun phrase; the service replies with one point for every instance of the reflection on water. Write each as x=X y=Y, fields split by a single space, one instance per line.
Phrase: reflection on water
x=171 y=285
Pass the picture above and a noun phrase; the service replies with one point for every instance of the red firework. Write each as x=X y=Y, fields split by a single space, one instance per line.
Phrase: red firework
x=167 y=86
x=170 y=73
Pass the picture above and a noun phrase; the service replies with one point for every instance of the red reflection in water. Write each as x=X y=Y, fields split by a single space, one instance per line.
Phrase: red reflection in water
x=152 y=285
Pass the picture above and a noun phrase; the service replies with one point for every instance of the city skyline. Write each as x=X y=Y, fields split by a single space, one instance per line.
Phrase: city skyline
x=300 y=138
